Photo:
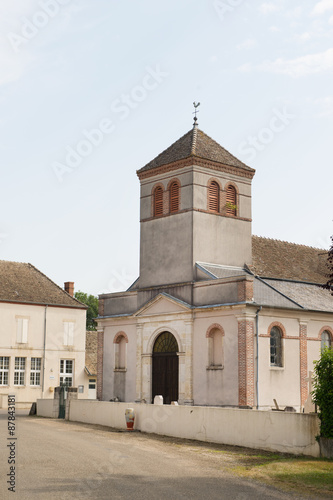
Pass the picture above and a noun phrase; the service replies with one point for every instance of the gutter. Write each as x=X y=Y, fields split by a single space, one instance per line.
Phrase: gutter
x=44 y=348
x=257 y=364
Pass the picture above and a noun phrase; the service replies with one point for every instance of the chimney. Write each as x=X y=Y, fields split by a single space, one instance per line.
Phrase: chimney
x=69 y=287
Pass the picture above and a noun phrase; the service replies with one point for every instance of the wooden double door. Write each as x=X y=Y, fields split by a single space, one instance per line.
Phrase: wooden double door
x=165 y=368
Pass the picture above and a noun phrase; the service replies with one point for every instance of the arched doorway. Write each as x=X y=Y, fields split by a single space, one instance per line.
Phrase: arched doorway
x=165 y=368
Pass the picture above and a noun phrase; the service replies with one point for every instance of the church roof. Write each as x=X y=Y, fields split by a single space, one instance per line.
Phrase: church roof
x=195 y=144
x=288 y=261
x=24 y=283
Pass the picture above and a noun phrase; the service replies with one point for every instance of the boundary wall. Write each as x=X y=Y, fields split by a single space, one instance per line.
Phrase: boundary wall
x=284 y=432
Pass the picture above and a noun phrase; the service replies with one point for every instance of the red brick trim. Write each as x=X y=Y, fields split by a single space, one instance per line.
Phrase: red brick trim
x=327 y=329
x=100 y=351
x=245 y=290
x=198 y=210
x=215 y=326
x=303 y=362
x=279 y=325
x=117 y=337
x=200 y=162
x=246 y=363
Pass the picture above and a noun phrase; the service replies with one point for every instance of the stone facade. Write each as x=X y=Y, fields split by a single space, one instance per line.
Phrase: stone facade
x=200 y=291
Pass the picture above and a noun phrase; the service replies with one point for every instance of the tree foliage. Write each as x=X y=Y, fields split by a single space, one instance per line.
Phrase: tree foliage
x=323 y=391
x=329 y=284
x=92 y=312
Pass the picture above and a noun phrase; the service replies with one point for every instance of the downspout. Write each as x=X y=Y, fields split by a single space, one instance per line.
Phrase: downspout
x=257 y=364
x=44 y=348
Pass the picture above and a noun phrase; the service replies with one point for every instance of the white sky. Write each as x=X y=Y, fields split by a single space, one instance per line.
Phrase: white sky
x=261 y=70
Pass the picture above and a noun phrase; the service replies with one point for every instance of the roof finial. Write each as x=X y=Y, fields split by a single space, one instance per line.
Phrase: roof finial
x=196 y=105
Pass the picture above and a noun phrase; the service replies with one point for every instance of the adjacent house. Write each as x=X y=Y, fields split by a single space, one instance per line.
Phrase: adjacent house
x=217 y=316
x=42 y=335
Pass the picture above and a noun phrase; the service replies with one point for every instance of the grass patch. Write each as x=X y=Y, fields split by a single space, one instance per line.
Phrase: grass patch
x=301 y=474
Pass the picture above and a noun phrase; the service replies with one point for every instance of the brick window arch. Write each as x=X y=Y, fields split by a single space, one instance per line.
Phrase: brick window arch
x=231 y=200
x=158 y=201
x=214 y=197
x=174 y=197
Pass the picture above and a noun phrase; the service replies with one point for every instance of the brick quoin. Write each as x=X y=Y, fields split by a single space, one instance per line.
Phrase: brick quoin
x=100 y=348
x=245 y=290
x=303 y=362
x=246 y=363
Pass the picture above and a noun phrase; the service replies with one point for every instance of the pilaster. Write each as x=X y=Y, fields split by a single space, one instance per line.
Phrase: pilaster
x=303 y=352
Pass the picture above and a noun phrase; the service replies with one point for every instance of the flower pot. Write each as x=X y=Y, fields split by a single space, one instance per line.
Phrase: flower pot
x=130 y=417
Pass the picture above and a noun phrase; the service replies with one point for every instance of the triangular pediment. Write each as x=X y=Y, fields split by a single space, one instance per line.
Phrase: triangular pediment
x=163 y=304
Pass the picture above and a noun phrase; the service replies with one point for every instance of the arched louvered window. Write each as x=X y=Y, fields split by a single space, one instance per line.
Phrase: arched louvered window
x=231 y=208
x=174 y=197
x=213 y=197
x=158 y=201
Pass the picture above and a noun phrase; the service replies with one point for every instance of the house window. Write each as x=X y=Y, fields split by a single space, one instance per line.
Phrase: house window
x=35 y=369
x=158 y=201
x=68 y=332
x=120 y=353
x=19 y=371
x=22 y=330
x=276 y=346
x=325 y=340
x=174 y=197
x=213 y=197
x=4 y=370
x=66 y=372
x=231 y=201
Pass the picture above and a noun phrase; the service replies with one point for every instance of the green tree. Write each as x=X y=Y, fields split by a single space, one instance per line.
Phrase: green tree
x=323 y=391
x=92 y=312
x=329 y=284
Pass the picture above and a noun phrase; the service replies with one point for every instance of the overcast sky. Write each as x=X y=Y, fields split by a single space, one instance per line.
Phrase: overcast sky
x=91 y=91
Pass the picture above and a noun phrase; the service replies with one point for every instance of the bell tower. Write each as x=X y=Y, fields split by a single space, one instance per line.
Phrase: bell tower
x=195 y=207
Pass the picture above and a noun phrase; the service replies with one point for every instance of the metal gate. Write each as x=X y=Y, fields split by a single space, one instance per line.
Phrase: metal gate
x=62 y=402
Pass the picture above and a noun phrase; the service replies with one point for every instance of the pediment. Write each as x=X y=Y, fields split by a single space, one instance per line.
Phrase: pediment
x=163 y=304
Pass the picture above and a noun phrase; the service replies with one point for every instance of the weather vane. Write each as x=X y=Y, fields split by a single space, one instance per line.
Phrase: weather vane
x=196 y=105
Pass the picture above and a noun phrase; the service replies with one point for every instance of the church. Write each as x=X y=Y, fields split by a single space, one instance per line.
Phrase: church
x=217 y=316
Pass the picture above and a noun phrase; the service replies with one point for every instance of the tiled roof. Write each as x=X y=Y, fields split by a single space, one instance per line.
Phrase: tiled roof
x=288 y=261
x=196 y=144
x=308 y=296
x=91 y=353
x=21 y=282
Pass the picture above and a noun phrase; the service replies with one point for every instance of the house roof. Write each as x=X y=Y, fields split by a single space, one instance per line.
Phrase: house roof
x=195 y=143
x=91 y=353
x=288 y=261
x=22 y=282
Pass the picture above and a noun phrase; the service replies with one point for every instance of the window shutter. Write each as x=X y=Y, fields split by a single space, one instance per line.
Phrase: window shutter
x=25 y=323
x=213 y=197
x=68 y=333
x=158 y=201
x=66 y=327
x=231 y=200
x=22 y=330
x=174 y=197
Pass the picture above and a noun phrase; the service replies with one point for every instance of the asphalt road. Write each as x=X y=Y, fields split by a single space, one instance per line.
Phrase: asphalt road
x=64 y=460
